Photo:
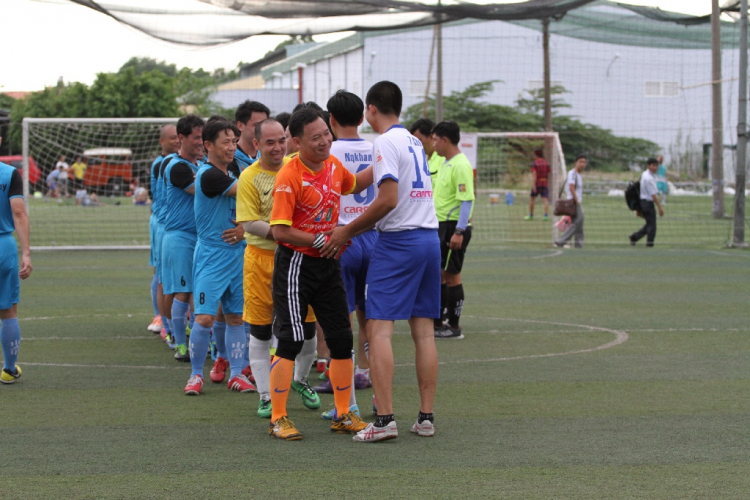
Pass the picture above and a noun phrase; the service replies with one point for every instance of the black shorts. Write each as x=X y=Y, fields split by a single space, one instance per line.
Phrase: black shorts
x=540 y=191
x=300 y=280
x=455 y=262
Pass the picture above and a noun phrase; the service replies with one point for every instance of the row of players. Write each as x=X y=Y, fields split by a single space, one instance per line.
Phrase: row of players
x=300 y=228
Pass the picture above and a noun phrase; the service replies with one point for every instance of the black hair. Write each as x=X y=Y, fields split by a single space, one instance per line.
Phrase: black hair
x=215 y=118
x=259 y=127
x=213 y=128
x=386 y=96
x=423 y=125
x=346 y=107
x=581 y=156
x=448 y=129
x=652 y=161
x=186 y=124
x=309 y=104
x=300 y=118
x=283 y=118
x=246 y=109
x=539 y=152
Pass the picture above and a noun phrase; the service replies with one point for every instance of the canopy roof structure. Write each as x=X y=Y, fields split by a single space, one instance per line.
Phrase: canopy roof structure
x=215 y=22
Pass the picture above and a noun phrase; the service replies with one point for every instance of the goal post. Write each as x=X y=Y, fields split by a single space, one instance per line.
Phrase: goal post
x=503 y=183
x=94 y=208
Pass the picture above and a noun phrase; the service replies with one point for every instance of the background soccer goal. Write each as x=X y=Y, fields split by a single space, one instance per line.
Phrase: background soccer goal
x=117 y=154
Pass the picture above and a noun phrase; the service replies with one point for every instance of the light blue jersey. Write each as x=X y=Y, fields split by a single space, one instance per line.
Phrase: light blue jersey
x=11 y=186
x=214 y=212
x=161 y=207
x=154 y=183
x=243 y=160
x=179 y=175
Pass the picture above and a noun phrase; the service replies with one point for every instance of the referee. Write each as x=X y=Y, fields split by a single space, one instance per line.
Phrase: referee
x=453 y=192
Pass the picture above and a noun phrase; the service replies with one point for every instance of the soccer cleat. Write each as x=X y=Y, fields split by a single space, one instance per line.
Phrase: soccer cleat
x=372 y=433
x=325 y=388
x=194 y=385
x=545 y=218
x=163 y=334
x=240 y=383
x=361 y=381
x=284 y=429
x=529 y=217
x=248 y=372
x=448 y=332
x=332 y=414
x=10 y=377
x=181 y=353
x=219 y=370
x=155 y=325
x=264 y=408
x=425 y=429
x=309 y=397
x=320 y=365
x=348 y=423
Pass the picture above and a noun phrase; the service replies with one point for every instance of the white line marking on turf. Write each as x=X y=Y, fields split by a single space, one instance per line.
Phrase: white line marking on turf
x=620 y=338
x=129 y=367
x=39 y=318
x=116 y=337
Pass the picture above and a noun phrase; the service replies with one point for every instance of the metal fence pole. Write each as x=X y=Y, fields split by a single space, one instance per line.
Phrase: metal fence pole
x=739 y=196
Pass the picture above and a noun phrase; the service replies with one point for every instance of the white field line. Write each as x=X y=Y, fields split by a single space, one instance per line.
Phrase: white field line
x=41 y=318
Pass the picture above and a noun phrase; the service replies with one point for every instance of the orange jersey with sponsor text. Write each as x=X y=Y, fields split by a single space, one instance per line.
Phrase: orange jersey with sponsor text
x=309 y=201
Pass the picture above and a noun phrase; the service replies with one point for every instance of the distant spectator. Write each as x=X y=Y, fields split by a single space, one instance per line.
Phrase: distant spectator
x=140 y=194
x=540 y=171
x=649 y=200
x=62 y=177
x=85 y=199
x=574 y=191
x=78 y=168
x=661 y=180
x=52 y=184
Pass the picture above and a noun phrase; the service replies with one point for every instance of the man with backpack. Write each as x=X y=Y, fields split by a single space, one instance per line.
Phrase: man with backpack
x=649 y=199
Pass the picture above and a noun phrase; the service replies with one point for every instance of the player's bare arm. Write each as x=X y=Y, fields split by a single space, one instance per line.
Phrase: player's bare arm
x=364 y=180
x=21 y=221
x=292 y=236
x=385 y=202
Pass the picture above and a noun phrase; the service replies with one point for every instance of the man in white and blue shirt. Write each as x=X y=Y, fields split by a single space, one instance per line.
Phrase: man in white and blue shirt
x=649 y=202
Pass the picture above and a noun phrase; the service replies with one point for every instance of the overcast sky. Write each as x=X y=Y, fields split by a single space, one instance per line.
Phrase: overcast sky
x=46 y=39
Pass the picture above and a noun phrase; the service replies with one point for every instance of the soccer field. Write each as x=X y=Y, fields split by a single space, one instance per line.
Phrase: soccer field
x=607 y=373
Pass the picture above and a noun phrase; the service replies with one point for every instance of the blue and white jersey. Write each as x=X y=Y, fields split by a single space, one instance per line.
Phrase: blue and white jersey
x=154 y=173
x=179 y=175
x=400 y=156
x=243 y=160
x=11 y=186
x=355 y=155
x=160 y=210
x=214 y=212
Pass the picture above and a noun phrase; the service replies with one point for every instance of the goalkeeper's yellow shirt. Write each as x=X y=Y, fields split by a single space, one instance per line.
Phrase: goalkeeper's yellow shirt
x=255 y=201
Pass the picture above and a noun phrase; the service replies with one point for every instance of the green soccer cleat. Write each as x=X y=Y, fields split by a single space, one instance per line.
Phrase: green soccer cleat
x=529 y=217
x=309 y=397
x=181 y=353
x=264 y=408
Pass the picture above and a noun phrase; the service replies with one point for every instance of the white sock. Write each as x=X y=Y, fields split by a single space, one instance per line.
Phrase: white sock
x=260 y=362
x=359 y=370
x=304 y=360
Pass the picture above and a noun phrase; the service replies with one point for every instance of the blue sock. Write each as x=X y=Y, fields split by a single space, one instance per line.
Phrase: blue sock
x=247 y=342
x=179 y=321
x=192 y=318
x=198 y=347
x=166 y=324
x=155 y=294
x=10 y=337
x=220 y=329
x=237 y=344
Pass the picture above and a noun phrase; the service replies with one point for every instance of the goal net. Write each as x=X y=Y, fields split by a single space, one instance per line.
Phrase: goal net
x=108 y=160
x=503 y=183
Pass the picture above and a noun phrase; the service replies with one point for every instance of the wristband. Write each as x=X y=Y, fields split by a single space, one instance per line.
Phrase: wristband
x=458 y=231
x=320 y=240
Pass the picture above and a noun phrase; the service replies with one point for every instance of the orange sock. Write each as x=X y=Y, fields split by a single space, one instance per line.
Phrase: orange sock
x=341 y=380
x=281 y=381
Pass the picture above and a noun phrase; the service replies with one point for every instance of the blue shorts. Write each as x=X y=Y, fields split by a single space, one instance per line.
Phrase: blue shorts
x=354 y=263
x=177 y=249
x=10 y=283
x=217 y=277
x=157 y=242
x=404 y=276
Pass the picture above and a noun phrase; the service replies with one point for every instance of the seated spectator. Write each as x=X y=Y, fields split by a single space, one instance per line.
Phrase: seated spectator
x=85 y=199
x=140 y=194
